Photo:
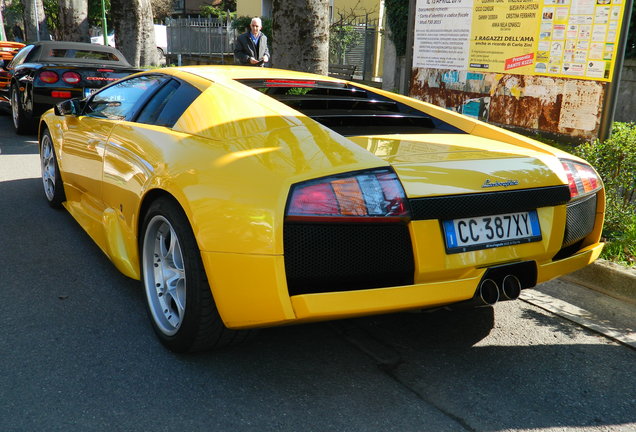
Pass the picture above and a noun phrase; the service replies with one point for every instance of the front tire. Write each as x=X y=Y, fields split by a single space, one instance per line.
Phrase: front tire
x=51 y=178
x=180 y=304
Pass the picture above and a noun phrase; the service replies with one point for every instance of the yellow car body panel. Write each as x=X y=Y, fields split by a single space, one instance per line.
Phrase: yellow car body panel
x=231 y=167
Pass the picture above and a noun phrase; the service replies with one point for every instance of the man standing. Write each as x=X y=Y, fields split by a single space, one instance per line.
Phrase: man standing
x=18 y=36
x=251 y=47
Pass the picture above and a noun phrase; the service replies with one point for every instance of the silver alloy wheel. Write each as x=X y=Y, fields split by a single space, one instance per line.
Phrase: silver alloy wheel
x=47 y=161
x=15 y=111
x=164 y=275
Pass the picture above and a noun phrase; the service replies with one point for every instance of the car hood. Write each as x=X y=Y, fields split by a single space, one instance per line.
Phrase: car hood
x=445 y=164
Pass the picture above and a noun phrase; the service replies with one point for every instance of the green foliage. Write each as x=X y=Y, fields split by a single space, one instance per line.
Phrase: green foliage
x=397 y=17
x=222 y=11
x=95 y=13
x=298 y=91
x=341 y=39
x=615 y=161
x=12 y=14
x=621 y=248
x=52 y=10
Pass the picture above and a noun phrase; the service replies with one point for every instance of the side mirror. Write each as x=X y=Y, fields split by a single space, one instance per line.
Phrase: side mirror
x=68 y=107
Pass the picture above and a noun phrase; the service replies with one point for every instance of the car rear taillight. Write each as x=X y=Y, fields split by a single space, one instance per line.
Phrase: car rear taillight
x=288 y=83
x=71 y=77
x=582 y=179
x=367 y=196
x=61 y=94
x=48 y=77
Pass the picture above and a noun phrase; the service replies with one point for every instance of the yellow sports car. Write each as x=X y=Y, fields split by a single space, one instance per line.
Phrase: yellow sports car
x=249 y=197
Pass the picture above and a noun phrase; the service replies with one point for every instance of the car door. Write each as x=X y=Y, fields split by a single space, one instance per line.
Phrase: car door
x=135 y=146
x=86 y=137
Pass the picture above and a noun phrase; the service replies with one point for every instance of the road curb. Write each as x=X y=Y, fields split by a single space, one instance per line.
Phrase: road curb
x=608 y=278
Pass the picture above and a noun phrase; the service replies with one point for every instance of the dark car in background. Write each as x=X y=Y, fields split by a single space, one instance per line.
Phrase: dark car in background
x=47 y=72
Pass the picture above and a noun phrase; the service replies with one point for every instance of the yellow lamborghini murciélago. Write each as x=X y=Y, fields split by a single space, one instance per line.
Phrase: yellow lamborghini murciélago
x=249 y=197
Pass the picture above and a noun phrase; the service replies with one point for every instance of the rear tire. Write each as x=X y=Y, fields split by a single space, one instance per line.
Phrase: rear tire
x=180 y=304
x=51 y=178
x=22 y=122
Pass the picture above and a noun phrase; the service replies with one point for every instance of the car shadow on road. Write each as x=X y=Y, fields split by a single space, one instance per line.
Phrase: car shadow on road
x=477 y=383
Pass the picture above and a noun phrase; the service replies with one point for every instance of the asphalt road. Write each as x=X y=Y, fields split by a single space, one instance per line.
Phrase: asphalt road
x=77 y=353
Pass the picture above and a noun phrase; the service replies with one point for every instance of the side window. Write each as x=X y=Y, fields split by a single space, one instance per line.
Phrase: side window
x=168 y=104
x=120 y=101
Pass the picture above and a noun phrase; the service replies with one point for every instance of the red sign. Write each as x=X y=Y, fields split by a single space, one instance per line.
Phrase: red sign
x=515 y=62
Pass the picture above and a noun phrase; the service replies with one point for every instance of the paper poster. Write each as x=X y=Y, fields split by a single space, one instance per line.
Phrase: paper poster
x=567 y=38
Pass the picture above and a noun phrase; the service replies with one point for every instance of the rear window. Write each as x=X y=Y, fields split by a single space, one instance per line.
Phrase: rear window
x=347 y=109
x=82 y=54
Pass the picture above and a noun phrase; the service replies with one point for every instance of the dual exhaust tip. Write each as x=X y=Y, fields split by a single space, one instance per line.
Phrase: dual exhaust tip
x=490 y=291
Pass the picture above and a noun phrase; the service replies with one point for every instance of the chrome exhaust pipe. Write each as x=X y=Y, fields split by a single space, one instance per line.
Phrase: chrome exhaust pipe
x=510 y=287
x=488 y=292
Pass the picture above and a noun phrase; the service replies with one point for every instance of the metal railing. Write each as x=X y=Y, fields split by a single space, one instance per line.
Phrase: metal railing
x=362 y=52
x=199 y=36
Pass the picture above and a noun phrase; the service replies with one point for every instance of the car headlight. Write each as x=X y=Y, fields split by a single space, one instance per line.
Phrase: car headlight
x=582 y=179
x=366 y=196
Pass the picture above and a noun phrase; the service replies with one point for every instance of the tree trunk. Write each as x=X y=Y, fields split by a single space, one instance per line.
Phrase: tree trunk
x=74 y=20
x=134 y=31
x=301 y=33
x=35 y=21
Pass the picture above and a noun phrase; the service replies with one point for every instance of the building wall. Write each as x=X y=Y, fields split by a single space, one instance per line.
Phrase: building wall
x=362 y=7
x=249 y=8
x=625 y=104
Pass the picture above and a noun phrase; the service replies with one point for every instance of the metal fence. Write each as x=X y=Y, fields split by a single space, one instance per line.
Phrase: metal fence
x=211 y=36
x=362 y=52
x=199 y=36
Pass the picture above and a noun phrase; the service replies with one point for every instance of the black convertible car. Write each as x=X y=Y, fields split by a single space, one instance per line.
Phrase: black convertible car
x=45 y=73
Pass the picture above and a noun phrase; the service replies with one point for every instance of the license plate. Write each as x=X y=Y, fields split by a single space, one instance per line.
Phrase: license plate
x=485 y=232
x=89 y=91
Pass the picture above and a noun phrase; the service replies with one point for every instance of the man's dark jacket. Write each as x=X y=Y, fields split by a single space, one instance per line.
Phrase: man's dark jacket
x=245 y=48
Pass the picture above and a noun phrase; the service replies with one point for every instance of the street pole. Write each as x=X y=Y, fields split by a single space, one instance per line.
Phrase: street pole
x=37 y=20
x=104 y=25
x=410 y=42
x=611 y=94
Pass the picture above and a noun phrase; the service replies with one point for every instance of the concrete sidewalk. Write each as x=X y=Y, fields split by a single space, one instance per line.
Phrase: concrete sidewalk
x=600 y=297
x=608 y=278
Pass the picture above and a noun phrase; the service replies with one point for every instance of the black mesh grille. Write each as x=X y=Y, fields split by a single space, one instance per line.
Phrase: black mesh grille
x=580 y=220
x=490 y=203
x=344 y=257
